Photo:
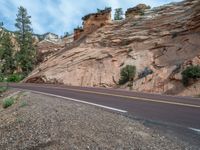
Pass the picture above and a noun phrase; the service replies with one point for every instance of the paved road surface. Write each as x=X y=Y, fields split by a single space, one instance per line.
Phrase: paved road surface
x=181 y=111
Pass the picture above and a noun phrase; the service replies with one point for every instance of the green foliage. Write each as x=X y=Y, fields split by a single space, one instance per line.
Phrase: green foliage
x=1 y=78
x=145 y=73
x=6 y=55
x=118 y=14
x=66 y=34
x=15 y=78
x=1 y=24
x=3 y=89
x=192 y=72
x=100 y=10
x=8 y=102
x=127 y=74
x=26 y=57
x=23 y=104
x=130 y=50
x=142 y=13
x=174 y=35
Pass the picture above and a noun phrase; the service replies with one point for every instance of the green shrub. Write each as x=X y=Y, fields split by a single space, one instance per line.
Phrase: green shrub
x=23 y=104
x=145 y=73
x=130 y=50
x=192 y=72
x=15 y=78
x=3 y=89
x=127 y=74
x=8 y=102
x=1 y=78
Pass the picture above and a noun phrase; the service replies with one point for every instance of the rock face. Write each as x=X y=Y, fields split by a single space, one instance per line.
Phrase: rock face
x=136 y=11
x=164 y=39
x=92 y=22
x=77 y=33
x=46 y=49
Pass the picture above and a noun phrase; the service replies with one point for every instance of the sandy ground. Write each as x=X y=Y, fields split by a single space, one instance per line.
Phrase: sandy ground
x=41 y=122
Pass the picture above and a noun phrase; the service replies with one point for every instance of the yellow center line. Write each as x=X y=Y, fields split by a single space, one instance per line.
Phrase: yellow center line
x=136 y=98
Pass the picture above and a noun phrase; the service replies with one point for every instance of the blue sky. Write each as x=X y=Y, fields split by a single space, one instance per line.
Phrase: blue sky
x=59 y=16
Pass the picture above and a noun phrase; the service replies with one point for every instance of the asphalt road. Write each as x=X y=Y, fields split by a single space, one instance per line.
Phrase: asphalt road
x=173 y=110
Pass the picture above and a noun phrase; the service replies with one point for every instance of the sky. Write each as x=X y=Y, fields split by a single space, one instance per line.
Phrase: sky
x=59 y=16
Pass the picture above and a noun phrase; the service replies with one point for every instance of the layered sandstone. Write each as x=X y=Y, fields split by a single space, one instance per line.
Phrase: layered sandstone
x=164 y=39
x=92 y=22
x=137 y=10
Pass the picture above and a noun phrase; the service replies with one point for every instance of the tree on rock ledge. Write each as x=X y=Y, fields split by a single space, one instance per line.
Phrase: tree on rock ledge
x=118 y=14
x=26 y=56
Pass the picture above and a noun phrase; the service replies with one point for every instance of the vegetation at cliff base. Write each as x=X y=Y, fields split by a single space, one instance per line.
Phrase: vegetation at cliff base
x=127 y=74
x=192 y=72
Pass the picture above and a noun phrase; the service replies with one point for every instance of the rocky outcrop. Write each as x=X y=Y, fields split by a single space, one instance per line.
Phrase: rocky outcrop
x=137 y=10
x=78 y=32
x=46 y=49
x=92 y=22
x=164 y=40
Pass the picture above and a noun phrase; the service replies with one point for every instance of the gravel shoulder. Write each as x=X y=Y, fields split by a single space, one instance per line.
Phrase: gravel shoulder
x=41 y=122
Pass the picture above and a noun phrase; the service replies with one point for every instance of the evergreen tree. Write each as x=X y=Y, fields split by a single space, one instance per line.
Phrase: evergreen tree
x=1 y=24
x=26 y=57
x=66 y=34
x=6 y=54
x=118 y=14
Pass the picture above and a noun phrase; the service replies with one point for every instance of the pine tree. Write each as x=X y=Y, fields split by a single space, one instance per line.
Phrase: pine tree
x=118 y=14
x=26 y=57
x=1 y=24
x=6 y=54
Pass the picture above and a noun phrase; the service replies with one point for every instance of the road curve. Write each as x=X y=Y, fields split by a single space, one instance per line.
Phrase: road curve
x=174 y=110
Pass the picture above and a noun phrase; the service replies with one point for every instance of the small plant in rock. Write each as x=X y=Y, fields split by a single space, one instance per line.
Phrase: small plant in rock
x=145 y=73
x=19 y=120
x=130 y=50
x=142 y=13
x=8 y=102
x=127 y=74
x=174 y=35
x=192 y=72
x=135 y=24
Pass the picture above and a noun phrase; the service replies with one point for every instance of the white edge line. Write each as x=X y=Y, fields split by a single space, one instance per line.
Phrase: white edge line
x=80 y=101
x=196 y=130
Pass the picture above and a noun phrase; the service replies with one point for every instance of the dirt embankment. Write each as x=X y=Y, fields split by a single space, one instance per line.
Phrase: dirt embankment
x=41 y=122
